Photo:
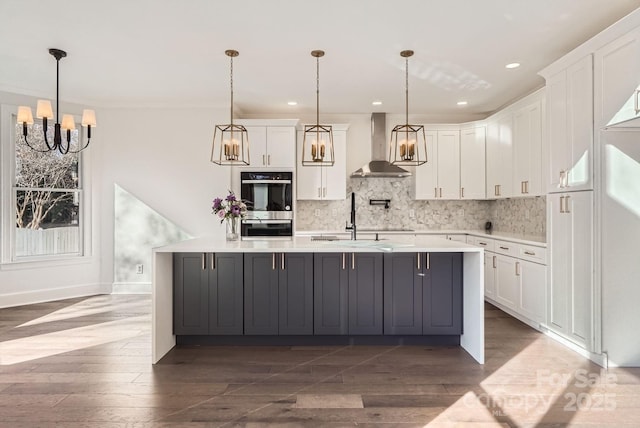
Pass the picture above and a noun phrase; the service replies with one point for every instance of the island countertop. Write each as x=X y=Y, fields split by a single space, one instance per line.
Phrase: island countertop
x=399 y=243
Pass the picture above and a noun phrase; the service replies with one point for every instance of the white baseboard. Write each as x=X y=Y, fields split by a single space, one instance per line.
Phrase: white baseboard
x=51 y=294
x=131 y=288
x=599 y=359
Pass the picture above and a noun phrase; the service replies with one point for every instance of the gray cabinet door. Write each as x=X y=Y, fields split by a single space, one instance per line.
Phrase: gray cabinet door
x=442 y=294
x=365 y=293
x=330 y=290
x=260 y=294
x=190 y=294
x=225 y=293
x=295 y=293
x=402 y=294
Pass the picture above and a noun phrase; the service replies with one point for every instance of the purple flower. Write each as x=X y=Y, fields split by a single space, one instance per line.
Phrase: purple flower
x=231 y=197
x=235 y=210
x=220 y=214
x=216 y=203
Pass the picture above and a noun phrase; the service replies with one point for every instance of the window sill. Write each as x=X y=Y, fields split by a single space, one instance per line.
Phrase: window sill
x=45 y=262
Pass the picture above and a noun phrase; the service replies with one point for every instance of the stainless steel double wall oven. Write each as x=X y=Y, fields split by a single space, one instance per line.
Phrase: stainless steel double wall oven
x=270 y=197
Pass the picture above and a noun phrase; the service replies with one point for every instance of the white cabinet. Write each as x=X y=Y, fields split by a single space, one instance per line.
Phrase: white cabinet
x=499 y=157
x=515 y=278
x=272 y=146
x=570 y=128
x=324 y=182
x=472 y=163
x=570 y=285
x=439 y=178
x=527 y=150
x=616 y=80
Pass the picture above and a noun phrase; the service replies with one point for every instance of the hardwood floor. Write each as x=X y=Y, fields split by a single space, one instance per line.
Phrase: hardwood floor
x=86 y=363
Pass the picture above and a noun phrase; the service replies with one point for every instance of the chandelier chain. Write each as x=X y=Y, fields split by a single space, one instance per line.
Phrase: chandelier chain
x=231 y=85
x=406 y=89
x=317 y=90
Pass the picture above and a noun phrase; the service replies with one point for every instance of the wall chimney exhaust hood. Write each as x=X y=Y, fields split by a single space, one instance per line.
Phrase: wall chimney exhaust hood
x=379 y=166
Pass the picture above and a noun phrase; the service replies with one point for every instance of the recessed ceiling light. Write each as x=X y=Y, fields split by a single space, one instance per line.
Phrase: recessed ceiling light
x=377 y=103
x=513 y=65
x=462 y=103
x=292 y=103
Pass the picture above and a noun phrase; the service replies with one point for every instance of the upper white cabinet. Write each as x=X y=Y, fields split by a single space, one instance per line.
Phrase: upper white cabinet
x=616 y=80
x=439 y=178
x=527 y=150
x=472 y=163
x=324 y=182
x=272 y=146
x=272 y=143
x=570 y=128
x=499 y=156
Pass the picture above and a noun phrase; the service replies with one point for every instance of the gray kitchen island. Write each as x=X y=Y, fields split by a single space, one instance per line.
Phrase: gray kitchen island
x=304 y=291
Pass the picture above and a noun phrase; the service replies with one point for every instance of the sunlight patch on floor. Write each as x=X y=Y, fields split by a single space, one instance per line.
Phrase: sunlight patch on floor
x=48 y=344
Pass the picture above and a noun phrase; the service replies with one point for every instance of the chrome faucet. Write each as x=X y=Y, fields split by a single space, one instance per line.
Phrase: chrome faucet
x=352 y=228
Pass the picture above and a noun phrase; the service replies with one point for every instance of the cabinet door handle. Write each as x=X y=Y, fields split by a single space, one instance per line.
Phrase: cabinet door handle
x=344 y=265
x=428 y=261
x=268 y=159
x=319 y=192
x=435 y=192
x=353 y=261
x=418 y=258
x=273 y=261
x=526 y=187
x=499 y=189
x=517 y=268
x=566 y=204
x=282 y=262
x=263 y=161
x=561 y=180
x=495 y=262
x=561 y=204
x=324 y=192
x=204 y=261
x=504 y=248
x=635 y=102
x=530 y=253
x=495 y=190
x=213 y=261
x=441 y=192
x=462 y=192
x=522 y=187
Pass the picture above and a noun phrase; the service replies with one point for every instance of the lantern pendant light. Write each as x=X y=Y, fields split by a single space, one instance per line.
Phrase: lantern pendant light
x=317 y=146
x=230 y=142
x=408 y=143
x=45 y=112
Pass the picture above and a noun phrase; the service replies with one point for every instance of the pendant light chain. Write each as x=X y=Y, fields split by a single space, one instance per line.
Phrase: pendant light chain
x=317 y=90
x=406 y=89
x=231 y=85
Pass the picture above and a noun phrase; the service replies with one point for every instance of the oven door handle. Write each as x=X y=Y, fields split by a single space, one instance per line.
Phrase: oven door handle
x=258 y=221
x=266 y=182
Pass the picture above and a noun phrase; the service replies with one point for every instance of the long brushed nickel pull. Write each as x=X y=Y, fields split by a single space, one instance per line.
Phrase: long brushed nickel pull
x=495 y=262
x=566 y=204
x=353 y=261
x=428 y=261
x=530 y=253
x=517 y=268
x=204 y=261
x=418 y=257
x=273 y=261
x=213 y=261
x=344 y=265
x=282 y=264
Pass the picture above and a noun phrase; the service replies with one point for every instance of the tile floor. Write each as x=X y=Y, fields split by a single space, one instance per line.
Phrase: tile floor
x=86 y=363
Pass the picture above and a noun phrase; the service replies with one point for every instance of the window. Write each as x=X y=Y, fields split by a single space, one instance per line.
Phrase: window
x=47 y=198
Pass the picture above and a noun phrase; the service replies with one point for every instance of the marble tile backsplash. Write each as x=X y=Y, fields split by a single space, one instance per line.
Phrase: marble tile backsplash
x=508 y=215
x=527 y=216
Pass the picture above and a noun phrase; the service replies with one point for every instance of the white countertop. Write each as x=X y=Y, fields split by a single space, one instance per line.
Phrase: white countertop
x=400 y=243
x=519 y=238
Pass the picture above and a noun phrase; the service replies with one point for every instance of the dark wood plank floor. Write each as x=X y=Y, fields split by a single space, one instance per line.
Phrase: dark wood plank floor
x=86 y=363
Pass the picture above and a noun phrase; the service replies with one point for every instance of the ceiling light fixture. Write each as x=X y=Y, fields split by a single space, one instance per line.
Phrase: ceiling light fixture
x=45 y=112
x=377 y=103
x=317 y=145
x=512 y=65
x=232 y=140
x=292 y=103
x=462 y=103
x=408 y=142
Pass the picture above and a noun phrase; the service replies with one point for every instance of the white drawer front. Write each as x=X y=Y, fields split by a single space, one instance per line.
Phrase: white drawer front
x=507 y=248
x=485 y=243
x=533 y=254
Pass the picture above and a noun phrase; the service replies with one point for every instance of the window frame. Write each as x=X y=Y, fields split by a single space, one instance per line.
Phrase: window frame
x=8 y=193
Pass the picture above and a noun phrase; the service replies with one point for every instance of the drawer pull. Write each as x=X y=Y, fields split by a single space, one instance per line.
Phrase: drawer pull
x=204 y=261
x=282 y=261
x=418 y=257
x=273 y=261
x=530 y=253
x=504 y=248
x=343 y=261
x=428 y=261
x=495 y=262
x=482 y=243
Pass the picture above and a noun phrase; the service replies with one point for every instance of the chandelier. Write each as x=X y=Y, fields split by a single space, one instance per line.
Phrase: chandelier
x=230 y=142
x=317 y=145
x=45 y=112
x=408 y=143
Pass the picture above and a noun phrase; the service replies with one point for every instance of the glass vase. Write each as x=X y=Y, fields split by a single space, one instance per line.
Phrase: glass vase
x=233 y=228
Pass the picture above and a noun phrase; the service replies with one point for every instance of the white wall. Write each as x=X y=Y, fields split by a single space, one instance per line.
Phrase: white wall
x=162 y=156
x=23 y=283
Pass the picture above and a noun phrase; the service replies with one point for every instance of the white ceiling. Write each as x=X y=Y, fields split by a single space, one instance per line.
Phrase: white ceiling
x=171 y=52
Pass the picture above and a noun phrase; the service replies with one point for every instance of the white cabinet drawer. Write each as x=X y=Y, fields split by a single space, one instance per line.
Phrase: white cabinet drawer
x=533 y=254
x=506 y=248
x=485 y=243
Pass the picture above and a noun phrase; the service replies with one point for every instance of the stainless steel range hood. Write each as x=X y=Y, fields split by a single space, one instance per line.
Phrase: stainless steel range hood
x=379 y=166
